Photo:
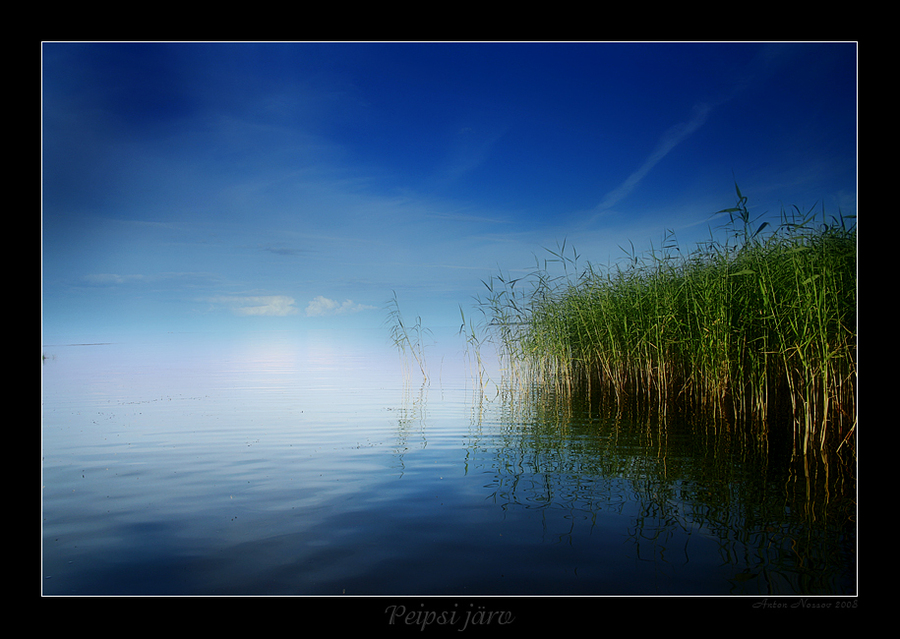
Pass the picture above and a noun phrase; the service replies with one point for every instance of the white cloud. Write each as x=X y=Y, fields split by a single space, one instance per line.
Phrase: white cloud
x=187 y=278
x=323 y=306
x=270 y=305
x=109 y=279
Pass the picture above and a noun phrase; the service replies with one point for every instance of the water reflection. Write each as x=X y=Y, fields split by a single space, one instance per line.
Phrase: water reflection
x=411 y=422
x=308 y=467
x=701 y=505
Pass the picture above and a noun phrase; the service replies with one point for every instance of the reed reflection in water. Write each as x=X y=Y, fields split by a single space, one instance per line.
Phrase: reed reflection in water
x=699 y=506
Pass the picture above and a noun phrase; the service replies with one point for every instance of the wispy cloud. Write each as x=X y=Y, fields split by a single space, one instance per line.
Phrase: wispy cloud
x=262 y=305
x=285 y=250
x=182 y=279
x=767 y=60
x=670 y=139
x=322 y=306
x=110 y=279
x=469 y=150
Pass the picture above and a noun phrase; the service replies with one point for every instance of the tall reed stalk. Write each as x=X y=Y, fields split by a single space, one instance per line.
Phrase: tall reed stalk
x=407 y=338
x=758 y=328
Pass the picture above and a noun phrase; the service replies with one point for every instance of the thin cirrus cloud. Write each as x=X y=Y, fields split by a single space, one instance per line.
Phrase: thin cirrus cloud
x=670 y=139
x=185 y=279
x=322 y=306
x=283 y=305
x=259 y=305
x=110 y=279
x=764 y=64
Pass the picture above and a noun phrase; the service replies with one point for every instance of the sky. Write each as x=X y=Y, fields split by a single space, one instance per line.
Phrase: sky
x=235 y=188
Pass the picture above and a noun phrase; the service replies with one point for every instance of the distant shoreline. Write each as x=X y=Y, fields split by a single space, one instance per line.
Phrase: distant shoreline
x=88 y=344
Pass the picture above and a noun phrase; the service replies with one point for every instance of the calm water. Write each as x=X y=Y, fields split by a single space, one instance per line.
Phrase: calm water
x=268 y=467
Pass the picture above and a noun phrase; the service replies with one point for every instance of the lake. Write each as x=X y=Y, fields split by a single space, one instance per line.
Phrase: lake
x=318 y=467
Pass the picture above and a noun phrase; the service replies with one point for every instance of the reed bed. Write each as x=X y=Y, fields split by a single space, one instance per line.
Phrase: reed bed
x=758 y=327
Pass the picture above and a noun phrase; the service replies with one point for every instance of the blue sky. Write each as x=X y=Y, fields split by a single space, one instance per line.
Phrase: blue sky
x=234 y=188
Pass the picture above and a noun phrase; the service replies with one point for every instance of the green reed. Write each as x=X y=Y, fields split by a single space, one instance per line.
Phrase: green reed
x=408 y=338
x=756 y=327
